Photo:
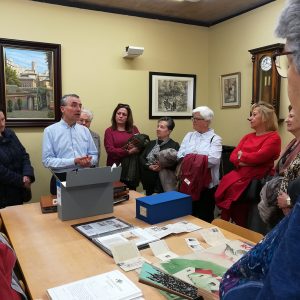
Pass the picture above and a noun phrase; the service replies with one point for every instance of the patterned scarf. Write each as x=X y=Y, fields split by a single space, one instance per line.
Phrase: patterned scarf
x=152 y=156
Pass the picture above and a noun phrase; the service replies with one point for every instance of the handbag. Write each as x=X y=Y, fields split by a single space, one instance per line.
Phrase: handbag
x=27 y=195
x=254 y=188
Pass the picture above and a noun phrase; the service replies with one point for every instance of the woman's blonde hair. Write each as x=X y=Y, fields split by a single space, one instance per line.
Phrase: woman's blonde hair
x=268 y=115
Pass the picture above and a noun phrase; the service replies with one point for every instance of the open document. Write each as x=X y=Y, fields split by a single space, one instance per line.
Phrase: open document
x=112 y=285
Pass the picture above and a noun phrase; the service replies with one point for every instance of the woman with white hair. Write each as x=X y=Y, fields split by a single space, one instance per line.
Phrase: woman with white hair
x=271 y=269
x=204 y=141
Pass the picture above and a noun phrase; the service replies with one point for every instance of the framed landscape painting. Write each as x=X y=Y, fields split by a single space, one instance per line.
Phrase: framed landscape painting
x=30 y=82
x=172 y=95
x=231 y=90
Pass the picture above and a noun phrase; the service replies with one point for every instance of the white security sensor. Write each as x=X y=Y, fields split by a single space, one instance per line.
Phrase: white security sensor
x=133 y=51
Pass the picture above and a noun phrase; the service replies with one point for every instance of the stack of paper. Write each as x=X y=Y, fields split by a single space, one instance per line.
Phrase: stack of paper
x=174 y=228
x=113 y=285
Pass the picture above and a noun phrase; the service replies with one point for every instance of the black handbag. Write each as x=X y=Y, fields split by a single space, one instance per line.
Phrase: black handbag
x=27 y=195
x=254 y=188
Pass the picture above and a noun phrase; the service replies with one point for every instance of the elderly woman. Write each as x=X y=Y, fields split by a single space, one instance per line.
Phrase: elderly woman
x=116 y=137
x=271 y=269
x=253 y=158
x=204 y=142
x=16 y=172
x=150 y=165
x=86 y=117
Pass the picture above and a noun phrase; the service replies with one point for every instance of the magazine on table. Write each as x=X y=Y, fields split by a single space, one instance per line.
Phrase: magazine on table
x=110 y=231
x=112 y=285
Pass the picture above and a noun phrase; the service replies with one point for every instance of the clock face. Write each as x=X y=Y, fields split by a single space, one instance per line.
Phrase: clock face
x=266 y=63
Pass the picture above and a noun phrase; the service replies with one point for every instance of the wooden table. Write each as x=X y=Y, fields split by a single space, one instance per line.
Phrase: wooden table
x=51 y=253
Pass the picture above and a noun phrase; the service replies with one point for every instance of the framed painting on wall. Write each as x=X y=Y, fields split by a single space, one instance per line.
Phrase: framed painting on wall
x=172 y=95
x=231 y=90
x=30 y=82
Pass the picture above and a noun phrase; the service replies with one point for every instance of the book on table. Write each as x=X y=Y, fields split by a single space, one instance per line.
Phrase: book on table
x=48 y=204
x=113 y=285
x=120 y=192
x=107 y=232
x=154 y=276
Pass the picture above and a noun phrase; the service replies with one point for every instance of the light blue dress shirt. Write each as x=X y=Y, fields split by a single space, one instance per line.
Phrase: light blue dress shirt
x=62 y=144
x=207 y=143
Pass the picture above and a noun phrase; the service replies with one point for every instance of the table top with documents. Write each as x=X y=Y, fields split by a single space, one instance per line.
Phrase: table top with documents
x=51 y=253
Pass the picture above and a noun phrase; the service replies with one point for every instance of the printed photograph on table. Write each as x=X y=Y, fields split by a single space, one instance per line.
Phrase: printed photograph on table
x=204 y=269
x=231 y=90
x=172 y=95
x=30 y=82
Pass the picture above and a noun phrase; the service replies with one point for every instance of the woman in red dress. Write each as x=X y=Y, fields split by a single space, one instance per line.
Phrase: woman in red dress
x=253 y=158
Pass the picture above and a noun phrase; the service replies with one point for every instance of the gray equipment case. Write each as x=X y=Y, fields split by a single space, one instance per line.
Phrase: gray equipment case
x=86 y=192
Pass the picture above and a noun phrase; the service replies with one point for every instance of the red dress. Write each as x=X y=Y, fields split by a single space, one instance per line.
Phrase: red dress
x=261 y=151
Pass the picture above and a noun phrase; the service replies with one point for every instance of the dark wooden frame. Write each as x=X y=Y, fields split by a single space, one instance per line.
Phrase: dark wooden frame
x=191 y=99
x=36 y=46
x=237 y=103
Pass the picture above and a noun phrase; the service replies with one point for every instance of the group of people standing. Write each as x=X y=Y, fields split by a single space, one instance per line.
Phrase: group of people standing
x=271 y=269
x=68 y=145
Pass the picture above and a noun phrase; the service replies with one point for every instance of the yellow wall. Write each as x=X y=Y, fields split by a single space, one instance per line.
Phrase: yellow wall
x=92 y=64
x=229 y=43
x=93 y=67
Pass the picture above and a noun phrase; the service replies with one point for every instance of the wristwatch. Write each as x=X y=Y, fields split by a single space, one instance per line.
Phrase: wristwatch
x=288 y=201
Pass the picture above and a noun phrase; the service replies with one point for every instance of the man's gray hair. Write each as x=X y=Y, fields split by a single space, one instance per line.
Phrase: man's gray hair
x=205 y=112
x=88 y=112
x=64 y=99
x=288 y=28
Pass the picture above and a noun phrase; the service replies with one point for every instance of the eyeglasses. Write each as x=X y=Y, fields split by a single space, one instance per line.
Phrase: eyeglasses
x=268 y=105
x=281 y=63
x=121 y=105
x=85 y=121
x=197 y=119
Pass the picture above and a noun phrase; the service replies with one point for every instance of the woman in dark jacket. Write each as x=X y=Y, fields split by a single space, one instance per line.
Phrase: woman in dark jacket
x=150 y=166
x=16 y=172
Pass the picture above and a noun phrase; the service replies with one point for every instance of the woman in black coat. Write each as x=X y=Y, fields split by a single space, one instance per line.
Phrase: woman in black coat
x=150 y=166
x=16 y=172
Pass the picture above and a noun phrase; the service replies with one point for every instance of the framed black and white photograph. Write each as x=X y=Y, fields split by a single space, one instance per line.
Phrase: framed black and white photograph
x=172 y=95
x=30 y=82
x=231 y=90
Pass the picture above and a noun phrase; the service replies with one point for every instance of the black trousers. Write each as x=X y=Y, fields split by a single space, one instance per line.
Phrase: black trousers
x=205 y=207
x=61 y=176
x=131 y=185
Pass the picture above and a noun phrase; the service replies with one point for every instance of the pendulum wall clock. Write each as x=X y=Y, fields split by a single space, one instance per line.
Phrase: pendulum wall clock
x=265 y=79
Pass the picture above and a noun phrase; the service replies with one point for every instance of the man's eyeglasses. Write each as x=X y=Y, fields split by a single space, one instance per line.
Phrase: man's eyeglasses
x=197 y=119
x=281 y=63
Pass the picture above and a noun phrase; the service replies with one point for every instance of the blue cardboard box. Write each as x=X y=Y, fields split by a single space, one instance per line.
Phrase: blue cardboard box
x=162 y=207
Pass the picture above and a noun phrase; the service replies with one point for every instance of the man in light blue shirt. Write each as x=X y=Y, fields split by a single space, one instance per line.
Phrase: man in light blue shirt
x=66 y=144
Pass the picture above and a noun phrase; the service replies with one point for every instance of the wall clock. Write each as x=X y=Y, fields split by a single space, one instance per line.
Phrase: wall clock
x=265 y=79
